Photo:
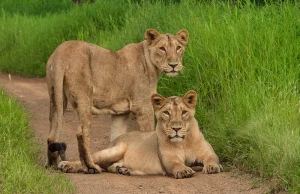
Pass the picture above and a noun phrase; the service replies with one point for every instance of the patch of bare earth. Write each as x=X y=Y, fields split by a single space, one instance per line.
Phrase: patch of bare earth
x=33 y=94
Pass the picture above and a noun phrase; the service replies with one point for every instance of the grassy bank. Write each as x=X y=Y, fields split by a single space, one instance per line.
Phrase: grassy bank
x=243 y=60
x=19 y=170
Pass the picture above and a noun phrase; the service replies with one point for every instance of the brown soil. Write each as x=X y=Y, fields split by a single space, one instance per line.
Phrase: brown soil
x=33 y=94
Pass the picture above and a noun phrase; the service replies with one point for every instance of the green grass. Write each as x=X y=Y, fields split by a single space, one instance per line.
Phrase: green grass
x=19 y=169
x=242 y=59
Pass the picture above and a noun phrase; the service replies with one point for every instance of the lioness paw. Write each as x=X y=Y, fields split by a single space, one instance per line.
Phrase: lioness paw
x=70 y=167
x=93 y=170
x=123 y=170
x=185 y=173
x=212 y=168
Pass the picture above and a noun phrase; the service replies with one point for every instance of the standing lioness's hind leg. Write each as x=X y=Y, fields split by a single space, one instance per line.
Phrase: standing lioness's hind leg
x=144 y=117
x=119 y=125
x=84 y=112
x=58 y=105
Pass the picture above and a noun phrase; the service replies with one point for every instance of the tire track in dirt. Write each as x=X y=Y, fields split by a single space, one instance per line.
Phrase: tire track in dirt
x=32 y=93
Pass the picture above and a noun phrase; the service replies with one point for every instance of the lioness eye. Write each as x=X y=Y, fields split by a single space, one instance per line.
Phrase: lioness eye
x=162 y=49
x=178 y=48
x=166 y=113
x=183 y=112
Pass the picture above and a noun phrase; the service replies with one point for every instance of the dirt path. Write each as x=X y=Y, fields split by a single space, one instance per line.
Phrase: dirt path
x=33 y=94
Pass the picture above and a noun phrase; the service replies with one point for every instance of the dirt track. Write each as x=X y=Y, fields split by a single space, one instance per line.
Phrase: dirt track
x=33 y=94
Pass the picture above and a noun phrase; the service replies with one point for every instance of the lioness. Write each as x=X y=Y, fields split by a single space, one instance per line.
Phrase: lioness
x=99 y=81
x=176 y=144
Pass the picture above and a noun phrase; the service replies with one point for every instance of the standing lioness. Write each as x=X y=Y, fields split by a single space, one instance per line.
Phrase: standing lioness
x=99 y=81
x=176 y=145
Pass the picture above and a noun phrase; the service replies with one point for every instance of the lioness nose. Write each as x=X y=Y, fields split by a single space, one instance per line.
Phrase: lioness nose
x=173 y=65
x=176 y=128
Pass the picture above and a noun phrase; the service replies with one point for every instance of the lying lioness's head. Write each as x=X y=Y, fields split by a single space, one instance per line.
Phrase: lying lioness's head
x=174 y=114
x=166 y=50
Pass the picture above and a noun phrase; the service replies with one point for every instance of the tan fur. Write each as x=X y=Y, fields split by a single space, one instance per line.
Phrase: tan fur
x=173 y=149
x=99 y=81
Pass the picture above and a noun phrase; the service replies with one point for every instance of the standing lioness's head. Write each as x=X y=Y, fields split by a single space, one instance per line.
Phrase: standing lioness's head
x=174 y=114
x=166 y=50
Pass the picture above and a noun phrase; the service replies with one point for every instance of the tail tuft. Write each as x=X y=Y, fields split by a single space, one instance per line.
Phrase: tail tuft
x=60 y=147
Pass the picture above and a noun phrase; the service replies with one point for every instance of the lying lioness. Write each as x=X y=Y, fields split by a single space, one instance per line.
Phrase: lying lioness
x=176 y=145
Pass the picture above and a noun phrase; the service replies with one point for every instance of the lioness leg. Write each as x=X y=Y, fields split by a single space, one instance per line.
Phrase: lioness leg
x=144 y=118
x=119 y=125
x=211 y=164
x=58 y=105
x=109 y=155
x=102 y=158
x=175 y=166
x=85 y=115
x=209 y=159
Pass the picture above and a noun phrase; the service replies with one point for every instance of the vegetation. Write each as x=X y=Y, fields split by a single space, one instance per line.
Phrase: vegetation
x=19 y=170
x=243 y=60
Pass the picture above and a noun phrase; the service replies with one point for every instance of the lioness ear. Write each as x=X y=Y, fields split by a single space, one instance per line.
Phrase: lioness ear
x=157 y=101
x=183 y=36
x=151 y=35
x=190 y=99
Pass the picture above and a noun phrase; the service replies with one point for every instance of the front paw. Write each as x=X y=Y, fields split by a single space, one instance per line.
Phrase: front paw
x=70 y=167
x=212 y=168
x=185 y=172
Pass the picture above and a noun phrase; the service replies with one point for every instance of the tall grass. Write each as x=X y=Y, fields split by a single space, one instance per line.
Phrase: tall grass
x=35 y=7
x=33 y=38
x=242 y=59
x=19 y=170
